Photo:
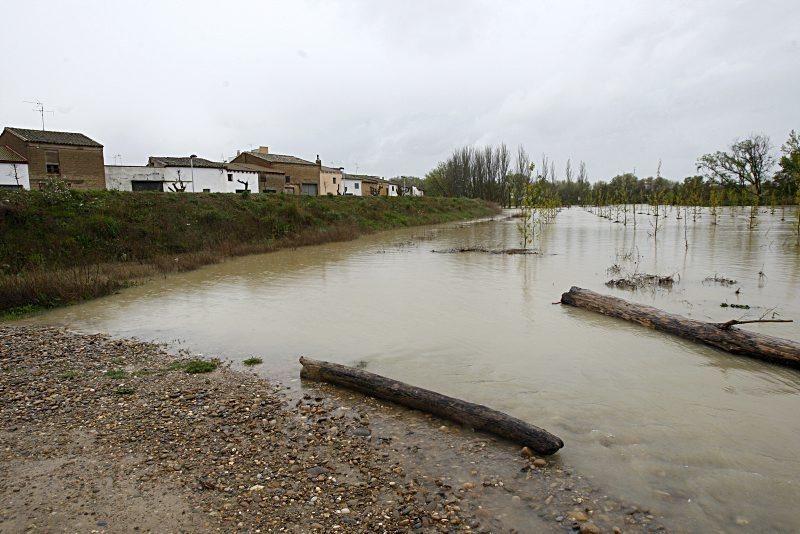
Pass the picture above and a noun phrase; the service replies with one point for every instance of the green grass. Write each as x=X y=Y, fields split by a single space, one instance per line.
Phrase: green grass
x=20 y=312
x=199 y=366
x=70 y=375
x=116 y=374
x=253 y=361
x=124 y=390
x=77 y=245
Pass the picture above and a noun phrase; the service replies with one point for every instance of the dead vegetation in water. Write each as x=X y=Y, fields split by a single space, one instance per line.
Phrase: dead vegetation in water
x=721 y=280
x=507 y=251
x=642 y=280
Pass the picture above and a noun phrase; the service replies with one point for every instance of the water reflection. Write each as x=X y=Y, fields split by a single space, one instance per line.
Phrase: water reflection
x=707 y=438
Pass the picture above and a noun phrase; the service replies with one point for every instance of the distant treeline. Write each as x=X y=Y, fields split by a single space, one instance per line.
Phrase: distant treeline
x=749 y=172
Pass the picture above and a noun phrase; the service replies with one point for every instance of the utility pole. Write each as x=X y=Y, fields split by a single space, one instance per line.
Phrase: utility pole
x=40 y=108
x=191 y=166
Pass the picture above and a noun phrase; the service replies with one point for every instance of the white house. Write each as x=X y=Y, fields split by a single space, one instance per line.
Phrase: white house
x=412 y=190
x=13 y=170
x=134 y=178
x=183 y=174
x=351 y=185
x=241 y=176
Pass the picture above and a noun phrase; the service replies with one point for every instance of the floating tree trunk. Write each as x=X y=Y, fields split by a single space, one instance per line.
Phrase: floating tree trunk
x=473 y=415
x=719 y=335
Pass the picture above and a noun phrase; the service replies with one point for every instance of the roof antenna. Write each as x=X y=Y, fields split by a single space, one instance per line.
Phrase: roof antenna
x=40 y=108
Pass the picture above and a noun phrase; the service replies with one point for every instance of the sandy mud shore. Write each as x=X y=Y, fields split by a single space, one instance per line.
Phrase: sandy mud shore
x=106 y=435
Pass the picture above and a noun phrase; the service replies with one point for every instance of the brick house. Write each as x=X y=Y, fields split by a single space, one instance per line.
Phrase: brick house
x=70 y=156
x=299 y=176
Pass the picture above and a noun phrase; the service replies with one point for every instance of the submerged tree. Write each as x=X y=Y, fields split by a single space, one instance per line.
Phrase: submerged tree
x=787 y=179
x=746 y=165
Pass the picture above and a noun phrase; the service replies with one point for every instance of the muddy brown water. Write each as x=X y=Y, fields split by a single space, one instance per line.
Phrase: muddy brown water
x=704 y=438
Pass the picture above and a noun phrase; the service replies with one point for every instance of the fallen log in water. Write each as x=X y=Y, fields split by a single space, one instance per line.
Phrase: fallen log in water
x=508 y=251
x=720 y=335
x=476 y=416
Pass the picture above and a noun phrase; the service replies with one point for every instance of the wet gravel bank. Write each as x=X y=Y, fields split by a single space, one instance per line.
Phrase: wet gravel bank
x=115 y=435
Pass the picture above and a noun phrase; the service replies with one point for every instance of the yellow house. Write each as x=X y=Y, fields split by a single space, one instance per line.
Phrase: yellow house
x=290 y=174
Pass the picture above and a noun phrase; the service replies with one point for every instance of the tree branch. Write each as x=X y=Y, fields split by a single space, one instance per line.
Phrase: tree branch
x=734 y=322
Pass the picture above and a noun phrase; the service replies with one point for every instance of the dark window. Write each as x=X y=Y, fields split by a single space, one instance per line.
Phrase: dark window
x=51 y=162
x=287 y=179
x=334 y=179
x=142 y=185
x=230 y=177
x=206 y=190
x=356 y=185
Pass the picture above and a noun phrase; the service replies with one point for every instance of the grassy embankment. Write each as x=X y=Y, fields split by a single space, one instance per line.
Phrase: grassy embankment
x=58 y=248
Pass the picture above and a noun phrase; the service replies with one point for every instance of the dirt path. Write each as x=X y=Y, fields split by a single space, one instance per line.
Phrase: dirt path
x=116 y=436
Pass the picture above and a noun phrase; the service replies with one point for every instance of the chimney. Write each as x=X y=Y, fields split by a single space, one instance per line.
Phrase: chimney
x=319 y=161
x=262 y=150
x=238 y=152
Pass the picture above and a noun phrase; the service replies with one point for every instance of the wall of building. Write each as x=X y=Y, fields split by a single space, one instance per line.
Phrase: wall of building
x=14 y=174
x=298 y=174
x=232 y=186
x=351 y=187
x=391 y=190
x=81 y=167
x=270 y=182
x=330 y=182
x=373 y=189
x=204 y=178
x=119 y=177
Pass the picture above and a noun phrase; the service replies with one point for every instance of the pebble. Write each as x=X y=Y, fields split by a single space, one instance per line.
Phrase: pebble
x=578 y=515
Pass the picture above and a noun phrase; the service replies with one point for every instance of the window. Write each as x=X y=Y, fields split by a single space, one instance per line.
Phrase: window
x=143 y=185
x=230 y=177
x=287 y=179
x=356 y=186
x=334 y=179
x=51 y=162
x=206 y=190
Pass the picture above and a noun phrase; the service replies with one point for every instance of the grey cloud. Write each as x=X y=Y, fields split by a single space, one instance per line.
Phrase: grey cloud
x=396 y=86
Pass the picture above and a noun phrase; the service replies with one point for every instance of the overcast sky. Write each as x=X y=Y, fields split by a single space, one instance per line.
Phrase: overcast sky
x=392 y=88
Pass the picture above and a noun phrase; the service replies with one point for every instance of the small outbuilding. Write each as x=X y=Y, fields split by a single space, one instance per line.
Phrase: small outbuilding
x=13 y=170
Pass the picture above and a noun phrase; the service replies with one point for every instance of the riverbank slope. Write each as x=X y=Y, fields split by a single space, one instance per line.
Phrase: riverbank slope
x=60 y=246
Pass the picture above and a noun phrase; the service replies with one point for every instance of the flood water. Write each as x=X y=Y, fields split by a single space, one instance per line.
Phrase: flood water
x=709 y=440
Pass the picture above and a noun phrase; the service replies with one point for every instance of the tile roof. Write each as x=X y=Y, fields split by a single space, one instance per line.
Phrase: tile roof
x=330 y=169
x=281 y=158
x=53 y=138
x=9 y=156
x=180 y=161
x=366 y=178
x=246 y=167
